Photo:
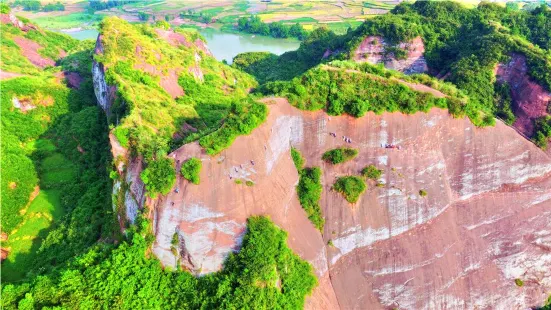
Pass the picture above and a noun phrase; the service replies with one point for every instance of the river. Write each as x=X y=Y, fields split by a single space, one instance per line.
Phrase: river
x=223 y=45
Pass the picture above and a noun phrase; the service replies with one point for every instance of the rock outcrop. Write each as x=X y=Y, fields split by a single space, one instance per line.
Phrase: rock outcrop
x=13 y=20
x=530 y=100
x=483 y=223
x=374 y=49
x=105 y=94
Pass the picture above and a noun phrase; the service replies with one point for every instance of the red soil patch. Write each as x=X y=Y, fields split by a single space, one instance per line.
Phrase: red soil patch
x=73 y=79
x=169 y=83
x=530 y=100
x=30 y=49
x=202 y=46
x=8 y=75
x=3 y=254
x=173 y=38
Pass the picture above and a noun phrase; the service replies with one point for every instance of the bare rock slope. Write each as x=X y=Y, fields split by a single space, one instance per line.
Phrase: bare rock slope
x=530 y=100
x=374 y=49
x=483 y=223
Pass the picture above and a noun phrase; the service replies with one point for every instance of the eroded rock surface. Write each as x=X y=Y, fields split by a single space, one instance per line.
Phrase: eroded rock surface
x=483 y=224
x=374 y=49
x=105 y=94
x=530 y=100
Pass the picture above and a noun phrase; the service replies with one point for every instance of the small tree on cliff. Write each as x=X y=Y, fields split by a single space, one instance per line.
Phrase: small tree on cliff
x=159 y=176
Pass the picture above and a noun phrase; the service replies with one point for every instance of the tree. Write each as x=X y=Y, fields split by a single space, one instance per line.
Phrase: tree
x=159 y=176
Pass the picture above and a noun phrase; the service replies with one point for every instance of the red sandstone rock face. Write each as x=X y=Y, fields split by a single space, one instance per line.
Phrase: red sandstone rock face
x=372 y=50
x=530 y=99
x=484 y=223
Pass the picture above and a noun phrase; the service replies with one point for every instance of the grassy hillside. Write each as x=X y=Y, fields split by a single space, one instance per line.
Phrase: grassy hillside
x=55 y=189
x=147 y=118
x=51 y=46
x=463 y=44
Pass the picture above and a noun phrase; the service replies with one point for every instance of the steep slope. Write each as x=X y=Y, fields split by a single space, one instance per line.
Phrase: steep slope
x=27 y=49
x=159 y=88
x=453 y=248
x=530 y=100
x=54 y=152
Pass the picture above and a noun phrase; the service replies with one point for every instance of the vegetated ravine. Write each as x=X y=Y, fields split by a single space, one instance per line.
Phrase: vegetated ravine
x=401 y=165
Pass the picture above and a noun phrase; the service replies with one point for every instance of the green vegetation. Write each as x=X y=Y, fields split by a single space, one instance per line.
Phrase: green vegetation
x=249 y=183
x=371 y=172
x=73 y=20
x=191 y=170
x=422 y=193
x=11 y=56
x=309 y=190
x=464 y=43
x=243 y=118
x=354 y=92
x=98 y=5
x=519 y=282
x=264 y=273
x=340 y=155
x=298 y=160
x=468 y=43
x=159 y=176
x=253 y=24
x=238 y=181
x=59 y=152
x=147 y=117
x=351 y=187
x=267 y=67
x=542 y=131
x=204 y=16
x=58 y=6
x=503 y=103
x=35 y=5
x=4 y=8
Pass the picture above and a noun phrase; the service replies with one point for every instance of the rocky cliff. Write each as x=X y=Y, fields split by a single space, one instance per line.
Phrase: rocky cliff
x=105 y=94
x=128 y=190
x=483 y=224
x=374 y=49
x=530 y=100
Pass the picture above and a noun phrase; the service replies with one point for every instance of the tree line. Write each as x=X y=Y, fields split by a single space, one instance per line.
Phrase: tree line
x=253 y=24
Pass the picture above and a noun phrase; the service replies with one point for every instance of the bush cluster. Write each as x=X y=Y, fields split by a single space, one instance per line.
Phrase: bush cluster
x=243 y=118
x=351 y=187
x=371 y=172
x=159 y=176
x=340 y=155
x=191 y=170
